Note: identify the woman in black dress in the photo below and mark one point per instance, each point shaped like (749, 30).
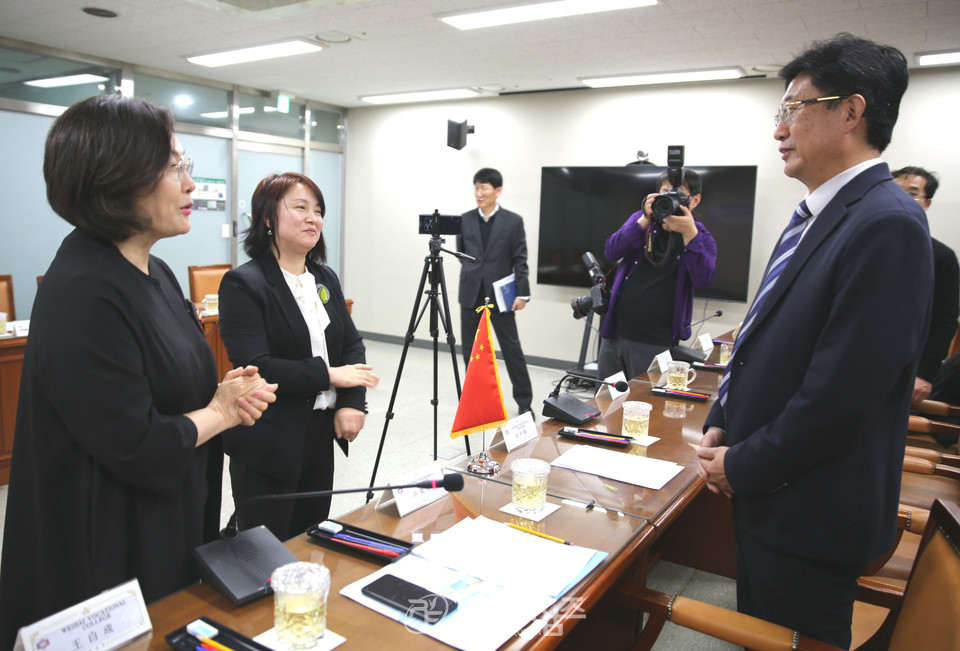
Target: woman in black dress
(284, 311)
(116, 468)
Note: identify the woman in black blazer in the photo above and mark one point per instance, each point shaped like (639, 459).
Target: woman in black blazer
(284, 309)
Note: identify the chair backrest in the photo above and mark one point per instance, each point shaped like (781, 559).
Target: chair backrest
(930, 615)
(955, 344)
(6, 297)
(205, 279)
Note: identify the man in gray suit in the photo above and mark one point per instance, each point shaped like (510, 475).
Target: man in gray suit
(495, 237)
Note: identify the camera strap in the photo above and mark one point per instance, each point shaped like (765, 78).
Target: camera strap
(661, 250)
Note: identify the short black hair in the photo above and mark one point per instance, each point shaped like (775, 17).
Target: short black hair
(101, 156)
(690, 179)
(932, 182)
(261, 237)
(848, 65)
(488, 175)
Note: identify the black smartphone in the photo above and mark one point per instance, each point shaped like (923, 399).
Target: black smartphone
(409, 598)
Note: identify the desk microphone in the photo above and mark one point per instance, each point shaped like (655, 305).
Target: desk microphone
(240, 562)
(687, 354)
(619, 385)
(570, 409)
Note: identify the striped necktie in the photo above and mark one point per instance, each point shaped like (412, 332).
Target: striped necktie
(788, 244)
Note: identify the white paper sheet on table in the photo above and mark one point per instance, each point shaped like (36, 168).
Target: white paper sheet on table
(501, 579)
(628, 468)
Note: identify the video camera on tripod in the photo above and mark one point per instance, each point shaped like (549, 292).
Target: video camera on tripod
(598, 298)
(437, 224)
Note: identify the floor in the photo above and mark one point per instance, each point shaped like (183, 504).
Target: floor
(408, 442)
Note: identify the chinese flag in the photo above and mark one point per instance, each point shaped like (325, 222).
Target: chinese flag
(481, 401)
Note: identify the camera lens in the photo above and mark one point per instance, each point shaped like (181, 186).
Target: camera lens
(664, 206)
(581, 306)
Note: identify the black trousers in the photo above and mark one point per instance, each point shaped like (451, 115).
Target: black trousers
(289, 518)
(505, 326)
(814, 598)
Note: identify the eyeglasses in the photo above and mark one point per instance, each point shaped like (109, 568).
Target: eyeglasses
(184, 165)
(787, 108)
(916, 195)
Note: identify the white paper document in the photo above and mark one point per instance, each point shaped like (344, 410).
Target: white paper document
(628, 468)
(500, 578)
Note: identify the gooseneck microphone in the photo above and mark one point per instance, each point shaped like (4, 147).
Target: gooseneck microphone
(687, 354)
(568, 408)
(619, 385)
(240, 562)
(452, 483)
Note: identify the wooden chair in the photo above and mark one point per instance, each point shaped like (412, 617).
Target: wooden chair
(6, 297)
(920, 429)
(925, 615)
(205, 279)
(955, 344)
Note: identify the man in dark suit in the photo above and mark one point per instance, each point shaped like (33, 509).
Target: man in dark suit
(921, 185)
(495, 237)
(808, 431)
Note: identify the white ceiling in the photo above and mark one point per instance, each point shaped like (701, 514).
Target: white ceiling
(400, 45)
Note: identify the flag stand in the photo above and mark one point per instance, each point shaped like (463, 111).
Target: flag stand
(432, 268)
(483, 465)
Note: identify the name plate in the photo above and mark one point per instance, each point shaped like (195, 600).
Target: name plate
(706, 342)
(617, 398)
(107, 621)
(519, 431)
(408, 500)
(661, 361)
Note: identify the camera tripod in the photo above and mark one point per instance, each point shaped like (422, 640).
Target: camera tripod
(432, 269)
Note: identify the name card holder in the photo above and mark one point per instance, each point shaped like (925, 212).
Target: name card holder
(407, 500)
(104, 622)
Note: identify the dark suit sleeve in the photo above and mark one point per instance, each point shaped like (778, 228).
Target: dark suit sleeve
(873, 307)
(518, 242)
(256, 332)
(946, 305)
(344, 344)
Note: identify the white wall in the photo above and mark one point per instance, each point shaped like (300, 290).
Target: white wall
(398, 166)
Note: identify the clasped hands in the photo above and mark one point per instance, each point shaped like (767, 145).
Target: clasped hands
(711, 453)
(243, 396)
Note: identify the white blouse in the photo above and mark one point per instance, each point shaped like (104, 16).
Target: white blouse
(304, 289)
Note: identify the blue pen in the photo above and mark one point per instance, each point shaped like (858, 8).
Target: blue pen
(371, 542)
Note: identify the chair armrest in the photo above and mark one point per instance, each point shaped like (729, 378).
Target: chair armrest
(936, 408)
(718, 622)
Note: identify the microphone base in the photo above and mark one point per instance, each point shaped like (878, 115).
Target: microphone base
(569, 409)
(239, 567)
(686, 354)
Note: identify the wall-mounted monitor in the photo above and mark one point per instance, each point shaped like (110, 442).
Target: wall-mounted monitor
(581, 206)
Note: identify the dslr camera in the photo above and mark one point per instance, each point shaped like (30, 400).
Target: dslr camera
(668, 203)
(437, 224)
(596, 300)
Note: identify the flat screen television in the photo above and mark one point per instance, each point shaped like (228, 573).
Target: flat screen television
(581, 206)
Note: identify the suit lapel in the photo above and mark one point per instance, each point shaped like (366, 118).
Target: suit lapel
(497, 229)
(287, 303)
(830, 218)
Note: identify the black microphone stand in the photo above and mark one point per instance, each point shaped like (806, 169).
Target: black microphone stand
(432, 269)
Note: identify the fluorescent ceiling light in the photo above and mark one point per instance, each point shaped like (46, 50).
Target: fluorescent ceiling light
(425, 96)
(539, 11)
(939, 59)
(257, 53)
(219, 115)
(663, 78)
(71, 80)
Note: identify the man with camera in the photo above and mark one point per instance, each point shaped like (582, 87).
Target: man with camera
(664, 254)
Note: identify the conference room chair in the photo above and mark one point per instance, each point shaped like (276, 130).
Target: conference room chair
(936, 408)
(920, 431)
(205, 279)
(924, 615)
(6, 297)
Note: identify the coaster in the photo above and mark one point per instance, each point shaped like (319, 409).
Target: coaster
(547, 510)
(330, 640)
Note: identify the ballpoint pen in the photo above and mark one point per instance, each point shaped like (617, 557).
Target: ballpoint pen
(542, 535)
(207, 643)
(369, 548)
(368, 540)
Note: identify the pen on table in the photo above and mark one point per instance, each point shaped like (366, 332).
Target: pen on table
(542, 535)
(369, 548)
(603, 437)
(370, 541)
(207, 643)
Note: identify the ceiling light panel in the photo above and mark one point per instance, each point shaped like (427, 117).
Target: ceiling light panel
(69, 80)
(425, 96)
(257, 53)
(664, 78)
(938, 59)
(539, 11)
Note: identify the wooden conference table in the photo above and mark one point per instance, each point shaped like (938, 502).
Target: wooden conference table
(636, 527)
